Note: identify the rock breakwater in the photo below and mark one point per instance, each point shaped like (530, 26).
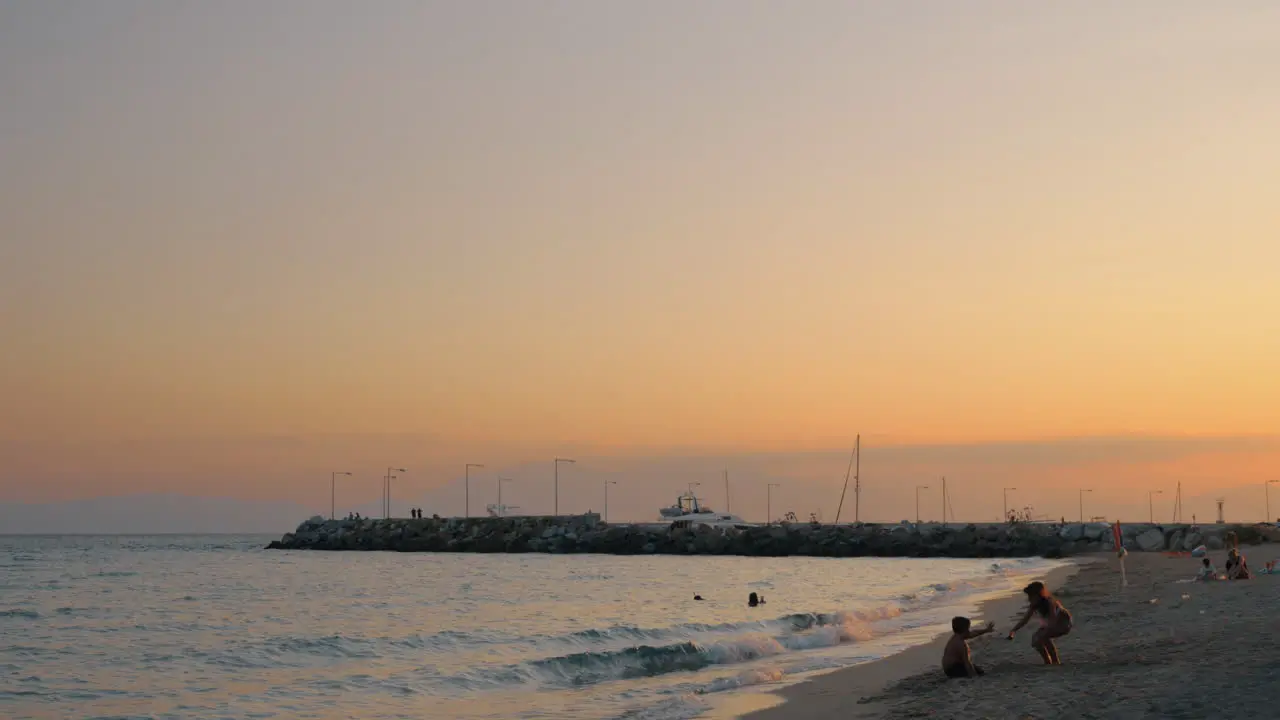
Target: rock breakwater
(587, 534)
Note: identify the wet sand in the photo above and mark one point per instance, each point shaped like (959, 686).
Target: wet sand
(1210, 655)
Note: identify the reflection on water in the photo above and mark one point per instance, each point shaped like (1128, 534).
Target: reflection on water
(205, 627)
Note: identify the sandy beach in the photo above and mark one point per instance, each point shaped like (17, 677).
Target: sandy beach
(1200, 650)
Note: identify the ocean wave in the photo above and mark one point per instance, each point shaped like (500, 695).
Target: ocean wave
(797, 632)
(996, 574)
(291, 651)
(629, 650)
(786, 623)
(747, 678)
(25, 614)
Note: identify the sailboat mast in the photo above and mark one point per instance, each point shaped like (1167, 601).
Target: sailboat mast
(852, 458)
(857, 480)
(944, 499)
(726, 491)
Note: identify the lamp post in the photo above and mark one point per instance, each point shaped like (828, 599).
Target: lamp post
(768, 502)
(918, 489)
(607, 483)
(333, 493)
(557, 489)
(501, 508)
(386, 490)
(1082, 492)
(1005, 517)
(1266, 488)
(1151, 507)
(467, 482)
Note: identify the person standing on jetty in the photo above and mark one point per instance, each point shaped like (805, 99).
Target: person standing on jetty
(1055, 621)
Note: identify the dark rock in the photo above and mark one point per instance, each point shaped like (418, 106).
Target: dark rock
(579, 534)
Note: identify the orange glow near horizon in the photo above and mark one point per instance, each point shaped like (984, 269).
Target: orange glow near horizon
(970, 225)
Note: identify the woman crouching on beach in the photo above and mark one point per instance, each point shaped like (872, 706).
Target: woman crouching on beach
(1055, 621)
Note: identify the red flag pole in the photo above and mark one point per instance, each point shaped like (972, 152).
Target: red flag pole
(1120, 552)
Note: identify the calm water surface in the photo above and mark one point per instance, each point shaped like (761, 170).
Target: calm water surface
(215, 627)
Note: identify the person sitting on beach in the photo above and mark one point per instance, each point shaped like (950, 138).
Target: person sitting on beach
(1237, 568)
(1208, 572)
(957, 660)
(1055, 621)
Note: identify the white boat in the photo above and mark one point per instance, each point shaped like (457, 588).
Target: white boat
(689, 512)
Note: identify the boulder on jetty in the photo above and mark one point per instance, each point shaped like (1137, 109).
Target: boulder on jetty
(587, 534)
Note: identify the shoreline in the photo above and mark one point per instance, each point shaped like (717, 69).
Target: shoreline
(842, 692)
(1163, 647)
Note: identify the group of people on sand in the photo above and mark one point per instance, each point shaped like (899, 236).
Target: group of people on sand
(1055, 622)
(1236, 568)
(1055, 619)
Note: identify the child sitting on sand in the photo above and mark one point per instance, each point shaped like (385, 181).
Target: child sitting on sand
(1055, 621)
(957, 661)
(1208, 572)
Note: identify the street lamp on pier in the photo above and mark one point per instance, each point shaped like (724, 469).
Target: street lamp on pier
(502, 508)
(386, 490)
(557, 487)
(467, 482)
(607, 483)
(333, 493)
(1151, 506)
(768, 502)
(1005, 517)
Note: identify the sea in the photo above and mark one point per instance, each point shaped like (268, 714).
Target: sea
(216, 627)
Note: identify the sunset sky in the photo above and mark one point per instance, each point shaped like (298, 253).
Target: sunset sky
(243, 244)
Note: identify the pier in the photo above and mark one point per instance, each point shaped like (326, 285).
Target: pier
(566, 534)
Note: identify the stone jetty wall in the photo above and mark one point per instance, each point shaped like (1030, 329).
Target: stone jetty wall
(587, 534)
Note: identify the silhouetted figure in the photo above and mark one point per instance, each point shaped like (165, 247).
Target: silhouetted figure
(697, 597)
(753, 600)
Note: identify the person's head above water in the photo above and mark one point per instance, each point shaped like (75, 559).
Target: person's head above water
(960, 625)
(753, 599)
(697, 597)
